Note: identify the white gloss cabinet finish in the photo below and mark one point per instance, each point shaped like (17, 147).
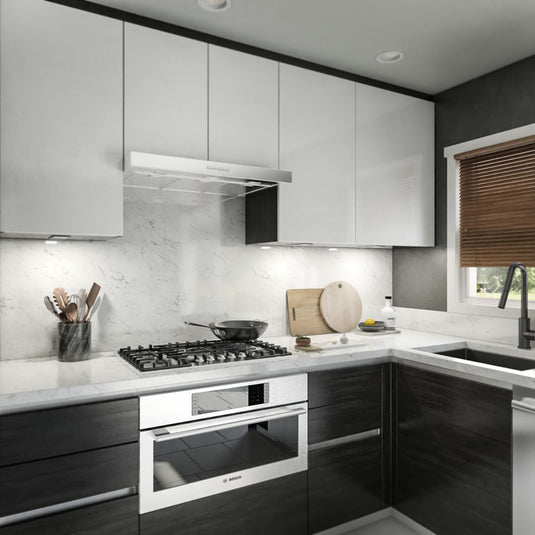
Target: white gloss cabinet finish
(165, 93)
(243, 104)
(394, 169)
(61, 128)
(317, 143)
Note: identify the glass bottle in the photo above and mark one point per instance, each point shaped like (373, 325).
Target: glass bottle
(388, 314)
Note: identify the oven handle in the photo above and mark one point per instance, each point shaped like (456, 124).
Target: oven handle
(198, 428)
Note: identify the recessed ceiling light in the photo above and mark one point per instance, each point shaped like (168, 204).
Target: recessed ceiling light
(333, 248)
(392, 56)
(265, 247)
(214, 5)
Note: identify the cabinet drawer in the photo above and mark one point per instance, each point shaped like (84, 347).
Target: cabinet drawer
(110, 518)
(345, 482)
(360, 384)
(277, 507)
(28, 486)
(48, 433)
(334, 421)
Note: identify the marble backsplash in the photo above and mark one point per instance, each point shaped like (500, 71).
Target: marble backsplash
(485, 328)
(182, 257)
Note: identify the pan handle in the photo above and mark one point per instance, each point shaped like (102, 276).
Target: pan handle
(196, 324)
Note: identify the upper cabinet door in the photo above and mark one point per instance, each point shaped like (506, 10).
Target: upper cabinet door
(244, 100)
(61, 129)
(165, 93)
(395, 178)
(317, 143)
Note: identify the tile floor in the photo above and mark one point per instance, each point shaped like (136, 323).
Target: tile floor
(385, 526)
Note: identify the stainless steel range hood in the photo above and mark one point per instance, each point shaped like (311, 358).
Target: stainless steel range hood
(171, 173)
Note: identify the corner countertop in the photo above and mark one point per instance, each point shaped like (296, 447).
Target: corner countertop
(38, 383)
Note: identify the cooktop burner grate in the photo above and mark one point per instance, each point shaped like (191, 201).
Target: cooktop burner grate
(199, 353)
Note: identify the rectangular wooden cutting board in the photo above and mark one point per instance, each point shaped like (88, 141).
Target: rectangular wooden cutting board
(304, 315)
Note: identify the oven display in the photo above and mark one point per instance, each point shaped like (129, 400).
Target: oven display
(229, 398)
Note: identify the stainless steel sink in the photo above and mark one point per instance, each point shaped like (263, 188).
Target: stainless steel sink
(494, 359)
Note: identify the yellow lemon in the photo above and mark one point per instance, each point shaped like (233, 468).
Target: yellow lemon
(369, 321)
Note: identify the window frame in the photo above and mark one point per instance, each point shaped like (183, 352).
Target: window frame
(457, 277)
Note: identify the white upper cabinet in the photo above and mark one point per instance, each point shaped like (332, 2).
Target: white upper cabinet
(166, 93)
(61, 128)
(243, 104)
(395, 177)
(317, 143)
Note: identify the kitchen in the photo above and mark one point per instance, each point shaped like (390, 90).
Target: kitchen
(182, 257)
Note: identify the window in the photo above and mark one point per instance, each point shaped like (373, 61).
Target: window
(491, 218)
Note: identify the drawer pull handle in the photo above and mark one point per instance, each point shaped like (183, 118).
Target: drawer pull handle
(357, 437)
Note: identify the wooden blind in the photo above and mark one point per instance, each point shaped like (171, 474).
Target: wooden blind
(497, 205)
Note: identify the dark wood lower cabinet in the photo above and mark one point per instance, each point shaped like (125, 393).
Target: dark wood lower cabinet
(448, 505)
(116, 517)
(336, 421)
(345, 482)
(29, 436)
(360, 384)
(273, 507)
(347, 478)
(54, 456)
(46, 482)
(453, 453)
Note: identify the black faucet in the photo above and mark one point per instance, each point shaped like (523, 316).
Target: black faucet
(525, 334)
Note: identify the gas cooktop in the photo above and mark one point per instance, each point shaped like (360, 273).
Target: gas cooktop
(199, 353)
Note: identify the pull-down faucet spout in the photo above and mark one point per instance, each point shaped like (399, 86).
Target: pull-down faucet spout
(525, 334)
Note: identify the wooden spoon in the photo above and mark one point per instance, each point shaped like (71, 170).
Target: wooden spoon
(91, 297)
(72, 312)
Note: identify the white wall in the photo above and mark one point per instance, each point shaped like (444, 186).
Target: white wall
(182, 258)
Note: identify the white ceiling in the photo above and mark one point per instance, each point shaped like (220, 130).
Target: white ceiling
(445, 42)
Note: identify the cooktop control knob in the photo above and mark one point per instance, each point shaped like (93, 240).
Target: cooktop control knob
(210, 358)
(241, 355)
(221, 357)
(231, 356)
(199, 359)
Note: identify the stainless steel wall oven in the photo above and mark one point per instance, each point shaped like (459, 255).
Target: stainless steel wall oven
(196, 443)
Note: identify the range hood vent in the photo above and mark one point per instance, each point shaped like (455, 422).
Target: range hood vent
(171, 173)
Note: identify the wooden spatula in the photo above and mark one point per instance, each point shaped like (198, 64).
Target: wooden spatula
(91, 297)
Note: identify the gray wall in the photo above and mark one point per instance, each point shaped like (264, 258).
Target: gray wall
(498, 101)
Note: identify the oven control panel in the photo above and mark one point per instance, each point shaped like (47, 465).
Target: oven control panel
(258, 394)
(177, 407)
(225, 399)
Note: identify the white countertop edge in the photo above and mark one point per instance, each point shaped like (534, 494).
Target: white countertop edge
(33, 384)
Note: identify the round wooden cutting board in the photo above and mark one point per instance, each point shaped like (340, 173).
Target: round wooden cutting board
(341, 306)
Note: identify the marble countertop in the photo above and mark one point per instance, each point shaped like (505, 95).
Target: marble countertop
(29, 384)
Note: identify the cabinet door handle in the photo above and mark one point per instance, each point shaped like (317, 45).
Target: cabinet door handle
(357, 437)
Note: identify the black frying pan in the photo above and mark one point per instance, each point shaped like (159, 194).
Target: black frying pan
(235, 330)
